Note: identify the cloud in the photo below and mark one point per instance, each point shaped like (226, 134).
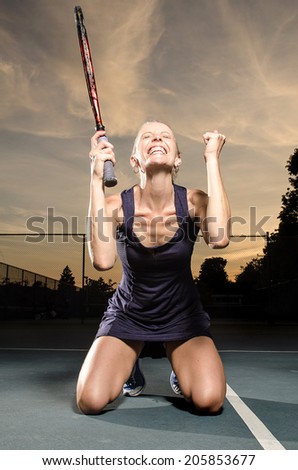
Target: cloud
(123, 55)
(45, 76)
(198, 65)
(228, 64)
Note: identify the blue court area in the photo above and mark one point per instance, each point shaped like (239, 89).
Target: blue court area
(40, 361)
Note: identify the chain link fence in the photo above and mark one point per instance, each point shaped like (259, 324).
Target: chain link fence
(31, 267)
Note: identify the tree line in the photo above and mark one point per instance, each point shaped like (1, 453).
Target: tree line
(272, 278)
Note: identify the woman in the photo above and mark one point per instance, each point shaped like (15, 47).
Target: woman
(155, 225)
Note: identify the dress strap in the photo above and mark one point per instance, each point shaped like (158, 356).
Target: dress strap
(184, 220)
(128, 207)
(181, 202)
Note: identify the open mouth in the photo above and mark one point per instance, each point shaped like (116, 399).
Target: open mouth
(157, 149)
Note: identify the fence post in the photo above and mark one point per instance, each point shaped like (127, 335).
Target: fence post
(270, 312)
(83, 307)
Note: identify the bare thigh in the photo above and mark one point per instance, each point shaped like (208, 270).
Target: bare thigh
(106, 368)
(200, 372)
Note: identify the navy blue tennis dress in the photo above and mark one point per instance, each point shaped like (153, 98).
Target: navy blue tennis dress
(156, 299)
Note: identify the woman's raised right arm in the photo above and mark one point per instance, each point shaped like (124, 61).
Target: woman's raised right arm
(103, 214)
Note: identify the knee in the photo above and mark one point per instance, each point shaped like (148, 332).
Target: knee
(89, 408)
(209, 405)
(91, 403)
(206, 402)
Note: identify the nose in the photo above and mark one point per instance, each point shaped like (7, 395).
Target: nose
(156, 137)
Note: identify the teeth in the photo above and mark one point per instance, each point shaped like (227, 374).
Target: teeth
(157, 150)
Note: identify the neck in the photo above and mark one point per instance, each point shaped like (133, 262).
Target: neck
(157, 192)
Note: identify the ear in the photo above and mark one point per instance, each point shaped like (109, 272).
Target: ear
(135, 165)
(178, 161)
(133, 161)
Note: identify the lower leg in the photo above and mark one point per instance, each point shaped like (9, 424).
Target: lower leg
(200, 373)
(107, 366)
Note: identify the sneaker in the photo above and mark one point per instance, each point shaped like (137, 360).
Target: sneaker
(175, 384)
(136, 382)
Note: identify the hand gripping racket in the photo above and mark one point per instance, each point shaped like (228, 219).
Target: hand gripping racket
(110, 179)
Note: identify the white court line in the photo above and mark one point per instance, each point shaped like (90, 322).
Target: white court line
(273, 351)
(255, 425)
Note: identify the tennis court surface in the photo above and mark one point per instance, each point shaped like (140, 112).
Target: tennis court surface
(40, 361)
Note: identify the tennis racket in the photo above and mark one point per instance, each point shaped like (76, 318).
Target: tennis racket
(110, 179)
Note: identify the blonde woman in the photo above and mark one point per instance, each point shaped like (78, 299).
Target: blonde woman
(153, 227)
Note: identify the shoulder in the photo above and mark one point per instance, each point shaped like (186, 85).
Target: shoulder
(114, 200)
(197, 202)
(196, 197)
(114, 203)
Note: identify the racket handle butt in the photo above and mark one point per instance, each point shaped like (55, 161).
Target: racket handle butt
(109, 177)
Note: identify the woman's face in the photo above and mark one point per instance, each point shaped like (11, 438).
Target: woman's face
(157, 146)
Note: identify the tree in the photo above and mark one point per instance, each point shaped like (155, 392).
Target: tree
(67, 281)
(212, 272)
(281, 252)
(97, 294)
(280, 260)
(252, 275)
(99, 291)
(274, 276)
(288, 215)
(212, 278)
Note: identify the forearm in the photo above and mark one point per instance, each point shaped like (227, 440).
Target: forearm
(218, 208)
(101, 228)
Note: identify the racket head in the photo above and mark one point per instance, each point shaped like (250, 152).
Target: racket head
(88, 67)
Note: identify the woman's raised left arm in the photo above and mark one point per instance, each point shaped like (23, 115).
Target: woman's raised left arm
(213, 210)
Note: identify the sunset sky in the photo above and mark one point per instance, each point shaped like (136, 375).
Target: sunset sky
(198, 65)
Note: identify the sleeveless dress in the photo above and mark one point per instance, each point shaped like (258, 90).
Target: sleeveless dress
(156, 299)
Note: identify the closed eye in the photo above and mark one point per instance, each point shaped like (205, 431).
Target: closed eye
(146, 136)
(166, 135)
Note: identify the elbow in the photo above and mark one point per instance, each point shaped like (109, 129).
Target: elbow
(219, 241)
(103, 265)
(102, 260)
(218, 245)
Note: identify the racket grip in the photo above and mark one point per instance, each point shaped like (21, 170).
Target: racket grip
(109, 177)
